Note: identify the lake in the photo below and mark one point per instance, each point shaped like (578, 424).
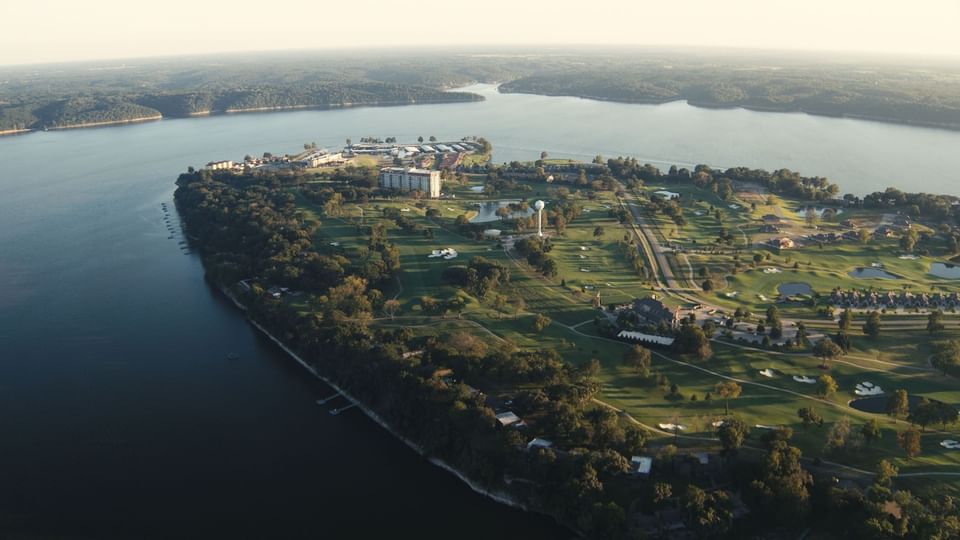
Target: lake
(945, 270)
(122, 416)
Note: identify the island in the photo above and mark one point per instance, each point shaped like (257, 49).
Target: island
(635, 352)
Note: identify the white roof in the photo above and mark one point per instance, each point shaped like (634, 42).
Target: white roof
(539, 443)
(640, 336)
(641, 464)
(507, 418)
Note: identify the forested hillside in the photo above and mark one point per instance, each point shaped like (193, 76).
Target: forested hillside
(903, 95)
(903, 91)
(39, 114)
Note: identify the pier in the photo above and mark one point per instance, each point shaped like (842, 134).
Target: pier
(335, 412)
(327, 399)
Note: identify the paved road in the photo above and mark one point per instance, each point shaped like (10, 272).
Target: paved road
(650, 246)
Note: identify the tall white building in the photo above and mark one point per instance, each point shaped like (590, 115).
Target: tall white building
(400, 179)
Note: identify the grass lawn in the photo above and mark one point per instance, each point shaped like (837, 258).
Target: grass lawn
(590, 263)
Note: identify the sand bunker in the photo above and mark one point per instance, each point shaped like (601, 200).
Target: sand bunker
(867, 389)
(446, 253)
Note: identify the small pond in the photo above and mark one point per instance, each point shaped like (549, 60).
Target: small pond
(487, 211)
(878, 404)
(794, 288)
(945, 270)
(871, 273)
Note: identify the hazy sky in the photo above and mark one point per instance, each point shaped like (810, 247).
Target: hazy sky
(65, 30)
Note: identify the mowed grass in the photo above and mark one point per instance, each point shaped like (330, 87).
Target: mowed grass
(765, 401)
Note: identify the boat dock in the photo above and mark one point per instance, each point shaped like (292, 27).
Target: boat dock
(335, 412)
(328, 399)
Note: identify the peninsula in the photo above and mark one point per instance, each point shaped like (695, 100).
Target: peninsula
(635, 352)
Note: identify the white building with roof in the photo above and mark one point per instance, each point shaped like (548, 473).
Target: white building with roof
(539, 443)
(402, 179)
(508, 418)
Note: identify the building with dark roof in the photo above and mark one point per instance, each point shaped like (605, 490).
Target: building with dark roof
(654, 312)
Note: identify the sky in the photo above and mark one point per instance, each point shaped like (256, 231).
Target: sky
(41, 31)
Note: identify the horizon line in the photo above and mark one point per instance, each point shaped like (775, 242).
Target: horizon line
(838, 55)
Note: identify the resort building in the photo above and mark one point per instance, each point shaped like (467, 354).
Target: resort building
(401, 179)
(319, 158)
(219, 165)
(654, 312)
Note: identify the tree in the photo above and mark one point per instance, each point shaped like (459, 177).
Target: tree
(909, 441)
(518, 304)
(886, 472)
(802, 340)
(709, 515)
(559, 223)
(540, 322)
(728, 390)
(543, 155)
(782, 490)
(691, 340)
(946, 356)
(662, 492)
(808, 417)
(837, 435)
(935, 322)
(846, 321)
(826, 385)
(500, 304)
(927, 412)
(638, 357)
(898, 404)
(864, 236)
(871, 431)
(598, 232)
(391, 307)
(732, 433)
(826, 349)
(872, 326)
(909, 239)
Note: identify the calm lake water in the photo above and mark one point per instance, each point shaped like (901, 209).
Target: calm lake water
(487, 211)
(120, 415)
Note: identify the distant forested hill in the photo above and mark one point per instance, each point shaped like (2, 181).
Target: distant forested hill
(904, 95)
(47, 99)
(904, 91)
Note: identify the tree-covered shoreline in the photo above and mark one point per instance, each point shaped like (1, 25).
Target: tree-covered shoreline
(107, 109)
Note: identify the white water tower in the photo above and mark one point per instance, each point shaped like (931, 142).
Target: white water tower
(539, 207)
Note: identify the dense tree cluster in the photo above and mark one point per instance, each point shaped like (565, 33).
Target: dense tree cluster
(537, 250)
